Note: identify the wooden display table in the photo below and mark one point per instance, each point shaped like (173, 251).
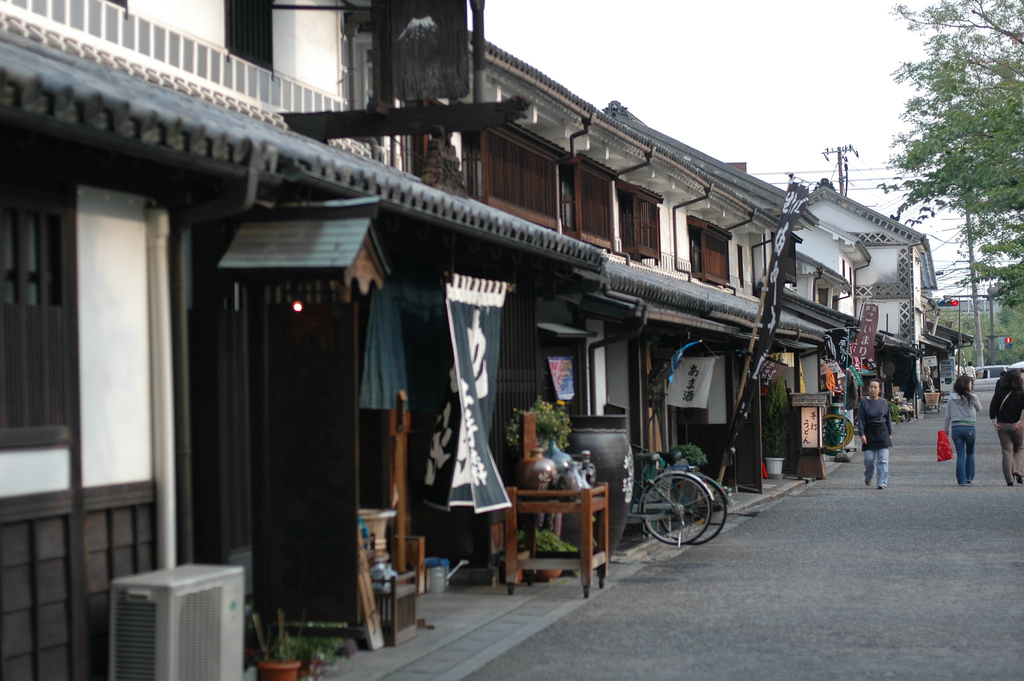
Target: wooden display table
(588, 503)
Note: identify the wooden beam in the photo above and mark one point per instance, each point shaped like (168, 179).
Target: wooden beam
(399, 423)
(417, 120)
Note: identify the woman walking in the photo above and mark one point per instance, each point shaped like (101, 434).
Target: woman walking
(1007, 413)
(962, 409)
(874, 425)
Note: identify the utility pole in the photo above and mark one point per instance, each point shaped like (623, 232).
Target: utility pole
(842, 165)
(979, 346)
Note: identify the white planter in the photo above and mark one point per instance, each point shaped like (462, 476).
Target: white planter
(774, 467)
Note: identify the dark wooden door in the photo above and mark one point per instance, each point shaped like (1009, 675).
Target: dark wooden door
(306, 501)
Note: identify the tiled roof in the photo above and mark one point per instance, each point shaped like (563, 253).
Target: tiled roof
(44, 83)
(689, 297)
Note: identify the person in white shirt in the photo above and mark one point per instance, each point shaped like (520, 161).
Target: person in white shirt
(970, 371)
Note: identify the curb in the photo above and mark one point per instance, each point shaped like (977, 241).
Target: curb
(782, 488)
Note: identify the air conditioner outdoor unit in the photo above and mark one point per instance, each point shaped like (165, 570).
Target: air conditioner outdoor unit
(182, 624)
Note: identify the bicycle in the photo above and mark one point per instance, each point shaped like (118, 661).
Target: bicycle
(720, 509)
(674, 505)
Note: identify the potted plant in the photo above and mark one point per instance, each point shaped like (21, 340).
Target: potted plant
(317, 655)
(693, 454)
(547, 542)
(553, 425)
(280, 659)
(775, 428)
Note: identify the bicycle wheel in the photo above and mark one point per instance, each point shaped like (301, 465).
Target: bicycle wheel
(676, 507)
(719, 511)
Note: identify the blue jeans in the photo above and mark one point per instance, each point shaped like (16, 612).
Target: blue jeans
(963, 440)
(881, 456)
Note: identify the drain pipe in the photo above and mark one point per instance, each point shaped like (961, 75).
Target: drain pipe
(479, 47)
(586, 121)
(648, 157)
(626, 335)
(238, 198)
(675, 231)
(158, 228)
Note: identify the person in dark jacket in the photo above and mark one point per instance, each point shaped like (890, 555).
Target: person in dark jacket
(1007, 414)
(874, 425)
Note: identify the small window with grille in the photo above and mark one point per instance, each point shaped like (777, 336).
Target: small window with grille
(709, 254)
(639, 221)
(33, 327)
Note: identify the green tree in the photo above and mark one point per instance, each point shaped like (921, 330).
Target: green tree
(963, 149)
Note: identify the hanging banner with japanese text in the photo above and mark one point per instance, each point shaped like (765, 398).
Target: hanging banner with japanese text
(837, 344)
(863, 348)
(796, 198)
(460, 467)
(770, 372)
(692, 383)
(771, 311)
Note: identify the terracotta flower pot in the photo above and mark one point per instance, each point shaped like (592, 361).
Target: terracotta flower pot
(272, 670)
(546, 575)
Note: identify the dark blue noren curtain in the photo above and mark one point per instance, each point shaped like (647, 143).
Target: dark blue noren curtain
(407, 344)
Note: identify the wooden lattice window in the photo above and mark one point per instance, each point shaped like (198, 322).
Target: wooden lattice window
(33, 325)
(586, 202)
(639, 221)
(250, 30)
(709, 251)
(519, 176)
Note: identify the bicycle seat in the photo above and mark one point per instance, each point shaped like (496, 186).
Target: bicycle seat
(646, 458)
(673, 458)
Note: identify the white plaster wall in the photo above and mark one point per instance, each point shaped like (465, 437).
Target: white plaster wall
(820, 245)
(884, 267)
(307, 45)
(717, 408)
(34, 471)
(202, 18)
(600, 375)
(113, 337)
(810, 370)
(888, 315)
(617, 363)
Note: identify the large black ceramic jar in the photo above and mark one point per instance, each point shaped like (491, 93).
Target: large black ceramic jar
(608, 442)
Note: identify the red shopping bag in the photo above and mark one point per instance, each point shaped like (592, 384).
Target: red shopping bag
(944, 449)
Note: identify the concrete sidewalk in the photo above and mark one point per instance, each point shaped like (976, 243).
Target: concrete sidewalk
(470, 625)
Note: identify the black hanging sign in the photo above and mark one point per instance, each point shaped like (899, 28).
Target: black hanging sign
(460, 467)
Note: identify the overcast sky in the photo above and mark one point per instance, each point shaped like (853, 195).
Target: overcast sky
(774, 84)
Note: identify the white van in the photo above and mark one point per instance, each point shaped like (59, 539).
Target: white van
(988, 375)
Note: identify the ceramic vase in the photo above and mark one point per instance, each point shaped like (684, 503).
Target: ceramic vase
(606, 439)
(536, 472)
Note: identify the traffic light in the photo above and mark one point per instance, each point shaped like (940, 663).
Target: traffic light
(1009, 342)
(949, 301)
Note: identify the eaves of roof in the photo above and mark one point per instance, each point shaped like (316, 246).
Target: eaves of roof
(835, 317)
(498, 57)
(952, 335)
(826, 272)
(874, 217)
(56, 87)
(704, 301)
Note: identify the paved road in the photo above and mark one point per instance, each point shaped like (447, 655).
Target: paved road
(920, 581)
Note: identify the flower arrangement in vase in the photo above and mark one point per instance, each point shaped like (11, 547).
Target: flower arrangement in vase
(553, 424)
